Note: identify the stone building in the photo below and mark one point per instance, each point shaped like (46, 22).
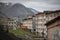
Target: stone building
(53, 29)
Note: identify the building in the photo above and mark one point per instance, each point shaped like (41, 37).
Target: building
(28, 22)
(53, 29)
(4, 24)
(41, 18)
(38, 23)
(12, 23)
(51, 14)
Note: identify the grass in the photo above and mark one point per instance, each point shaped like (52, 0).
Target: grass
(20, 32)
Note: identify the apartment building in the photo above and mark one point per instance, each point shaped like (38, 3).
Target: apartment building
(28, 22)
(41, 18)
(38, 23)
(12, 23)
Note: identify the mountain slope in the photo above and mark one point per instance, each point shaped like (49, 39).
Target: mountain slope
(17, 10)
(33, 10)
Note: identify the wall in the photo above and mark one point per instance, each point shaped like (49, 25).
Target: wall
(54, 31)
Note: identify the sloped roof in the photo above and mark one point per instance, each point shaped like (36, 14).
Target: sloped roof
(52, 21)
(51, 11)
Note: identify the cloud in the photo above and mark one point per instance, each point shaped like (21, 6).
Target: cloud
(53, 2)
(39, 5)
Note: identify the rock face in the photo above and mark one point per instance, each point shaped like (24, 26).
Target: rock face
(15, 10)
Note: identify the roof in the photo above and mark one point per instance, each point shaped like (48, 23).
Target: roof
(27, 18)
(39, 13)
(46, 12)
(51, 11)
(52, 21)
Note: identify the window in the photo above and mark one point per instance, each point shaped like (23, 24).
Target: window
(34, 29)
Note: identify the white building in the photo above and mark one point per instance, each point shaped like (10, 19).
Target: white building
(28, 22)
(12, 23)
(38, 24)
(41, 18)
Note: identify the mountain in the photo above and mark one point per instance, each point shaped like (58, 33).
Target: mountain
(16, 10)
(2, 15)
(4, 6)
(33, 10)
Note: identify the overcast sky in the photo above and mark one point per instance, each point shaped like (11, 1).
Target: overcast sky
(39, 5)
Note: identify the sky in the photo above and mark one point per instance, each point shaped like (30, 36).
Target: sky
(39, 5)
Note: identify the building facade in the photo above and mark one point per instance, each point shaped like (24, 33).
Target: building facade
(4, 24)
(51, 14)
(12, 23)
(53, 26)
(28, 22)
(38, 24)
(41, 18)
